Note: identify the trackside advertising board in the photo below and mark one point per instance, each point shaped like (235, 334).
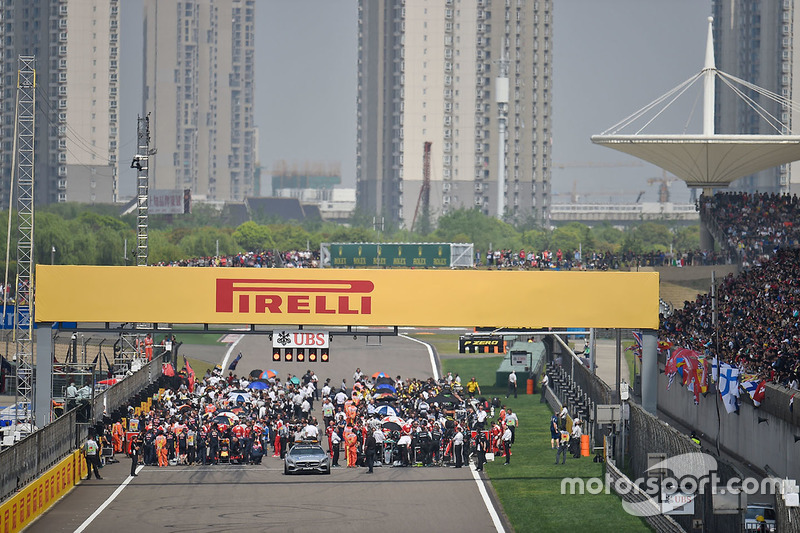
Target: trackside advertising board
(390, 255)
(347, 297)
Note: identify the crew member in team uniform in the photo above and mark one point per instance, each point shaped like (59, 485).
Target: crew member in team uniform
(136, 448)
(351, 443)
(161, 449)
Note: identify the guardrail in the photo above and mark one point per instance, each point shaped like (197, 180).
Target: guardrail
(29, 458)
(26, 460)
(120, 393)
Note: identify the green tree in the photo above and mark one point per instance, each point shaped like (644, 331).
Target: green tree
(97, 221)
(203, 243)
(252, 237)
(363, 218)
(606, 238)
(51, 230)
(348, 234)
(470, 225)
(160, 249)
(290, 237)
(687, 238)
(571, 237)
(647, 237)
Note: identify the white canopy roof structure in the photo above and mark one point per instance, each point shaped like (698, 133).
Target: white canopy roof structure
(708, 160)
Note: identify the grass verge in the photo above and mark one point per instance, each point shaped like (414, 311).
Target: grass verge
(629, 357)
(203, 339)
(444, 343)
(198, 365)
(529, 488)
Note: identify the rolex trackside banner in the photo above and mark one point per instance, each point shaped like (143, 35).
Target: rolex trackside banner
(346, 297)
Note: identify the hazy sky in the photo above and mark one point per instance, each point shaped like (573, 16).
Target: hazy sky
(610, 58)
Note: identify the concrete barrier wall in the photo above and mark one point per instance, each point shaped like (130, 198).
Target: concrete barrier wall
(673, 274)
(768, 443)
(19, 511)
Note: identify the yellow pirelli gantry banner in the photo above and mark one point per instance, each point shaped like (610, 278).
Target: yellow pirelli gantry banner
(346, 297)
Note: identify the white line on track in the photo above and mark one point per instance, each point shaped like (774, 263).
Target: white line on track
(430, 354)
(106, 503)
(498, 524)
(229, 352)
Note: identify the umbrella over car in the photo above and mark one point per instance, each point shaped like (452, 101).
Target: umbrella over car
(392, 423)
(386, 410)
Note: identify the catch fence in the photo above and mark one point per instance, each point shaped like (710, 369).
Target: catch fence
(649, 435)
(30, 457)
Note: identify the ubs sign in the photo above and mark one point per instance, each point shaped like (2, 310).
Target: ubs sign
(300, 339)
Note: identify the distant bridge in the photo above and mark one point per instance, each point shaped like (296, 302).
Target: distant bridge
(645, 211)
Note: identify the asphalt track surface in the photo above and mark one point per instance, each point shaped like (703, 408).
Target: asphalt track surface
(261, 498)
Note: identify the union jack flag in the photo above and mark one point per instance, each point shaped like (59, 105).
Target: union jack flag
(636, 347)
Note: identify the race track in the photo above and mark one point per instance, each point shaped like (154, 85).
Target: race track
(262, 498)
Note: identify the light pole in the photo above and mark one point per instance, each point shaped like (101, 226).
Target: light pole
(52, 255)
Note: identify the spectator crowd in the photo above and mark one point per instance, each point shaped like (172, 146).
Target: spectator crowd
(758, 311)
(267, 259)
(547, 259)
(753, 226)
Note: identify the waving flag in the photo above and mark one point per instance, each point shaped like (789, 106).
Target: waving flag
(701, 370)
(189, 374)
(636, 347)
(756, 388)
(729, 387)
(692, 368)
(109, 366)
(235, 362)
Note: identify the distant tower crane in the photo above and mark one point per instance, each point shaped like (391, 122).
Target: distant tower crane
(663, 189)
(424, 198)
(575, 195)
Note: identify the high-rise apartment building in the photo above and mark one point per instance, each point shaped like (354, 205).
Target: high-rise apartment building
(426, 74)
(754, 41)
(76, 45)
(199, 69)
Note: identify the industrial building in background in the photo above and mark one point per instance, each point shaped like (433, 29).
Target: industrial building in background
(199, 68)
(426, 74)
(76, 45)
(755, 41)
(315, 184)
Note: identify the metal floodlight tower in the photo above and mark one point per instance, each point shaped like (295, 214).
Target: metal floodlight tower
(141, 164)
(501, 97)
(23, 325)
